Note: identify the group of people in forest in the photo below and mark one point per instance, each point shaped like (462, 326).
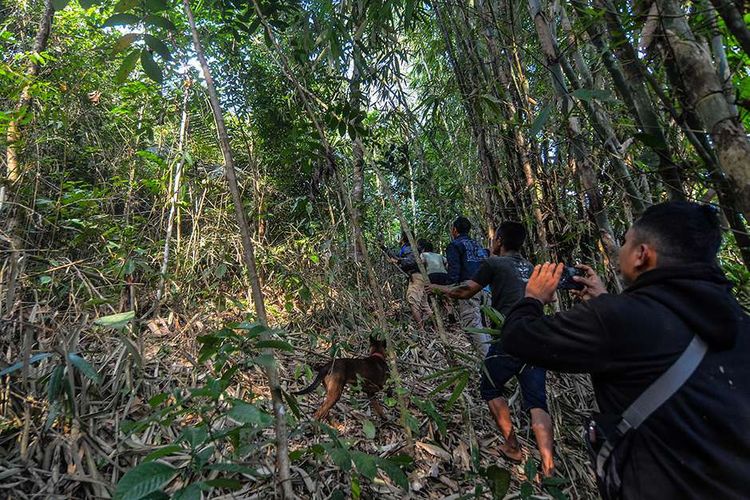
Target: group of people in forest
(667, 356)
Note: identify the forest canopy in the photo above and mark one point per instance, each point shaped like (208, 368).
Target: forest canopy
(196, 196)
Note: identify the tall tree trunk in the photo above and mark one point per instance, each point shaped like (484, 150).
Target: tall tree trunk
(174, 197)
(358, 152)
(469, 89)
(735, 22)
(13, 134)
(638, 78)
(581, 155)
(720, 56)
(599, 118)
(636, 85)
(282, 444)
(512, 80)
(705, 93)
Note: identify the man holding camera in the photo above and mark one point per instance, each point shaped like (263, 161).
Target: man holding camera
(507, 273)
(668, 359)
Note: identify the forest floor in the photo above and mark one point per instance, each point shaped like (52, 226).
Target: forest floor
(85, 456)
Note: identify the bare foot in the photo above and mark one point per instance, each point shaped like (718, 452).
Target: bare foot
(548, 470)
(511, 452)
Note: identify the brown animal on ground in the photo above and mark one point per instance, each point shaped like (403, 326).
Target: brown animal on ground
(372, 370)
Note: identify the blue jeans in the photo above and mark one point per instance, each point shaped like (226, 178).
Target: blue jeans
(500, 367)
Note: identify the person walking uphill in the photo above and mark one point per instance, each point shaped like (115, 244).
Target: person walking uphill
(464, 257)
(668, 359)
(416, 294)
(507, 272)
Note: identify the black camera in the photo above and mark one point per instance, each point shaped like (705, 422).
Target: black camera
(566, 280)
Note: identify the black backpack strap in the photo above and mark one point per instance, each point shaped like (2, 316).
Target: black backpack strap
(656, 395)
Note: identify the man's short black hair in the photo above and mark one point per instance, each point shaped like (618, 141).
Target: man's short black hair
(513, 235)
(682, 231)
(462, 225)
(425, 246)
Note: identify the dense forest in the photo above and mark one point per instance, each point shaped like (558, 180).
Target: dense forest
(196, 196)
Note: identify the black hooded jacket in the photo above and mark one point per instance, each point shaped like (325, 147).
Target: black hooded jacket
(696, 445)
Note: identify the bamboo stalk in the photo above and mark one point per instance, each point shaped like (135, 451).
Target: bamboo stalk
(248, 254)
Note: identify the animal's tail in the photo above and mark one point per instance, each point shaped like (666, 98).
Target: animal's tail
(315, 383)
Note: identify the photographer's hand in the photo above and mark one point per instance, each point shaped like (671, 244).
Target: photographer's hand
(593, 285)
(543, 282)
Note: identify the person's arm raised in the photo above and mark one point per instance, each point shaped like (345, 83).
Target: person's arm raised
(572, 341)
(543, 282)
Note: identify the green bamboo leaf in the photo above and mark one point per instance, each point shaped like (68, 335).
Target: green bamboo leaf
(84, 367)
(118, 320)
(274, 344)
(192, 492)
(158, 46)
(162, 452)
(442, 373)
(124, 42)
(156, 5)
(447, 383)
(143, 480)
(33, 359)
(369, 429)
(540, 120)
(250, 414)
(159, 22)
(495, 316)
(54, 386)
(431, 411)
(457, 390)
(393, 471)
(124, 5)
(365, 464)
(120, 20)
(54, 411)
(150, 67)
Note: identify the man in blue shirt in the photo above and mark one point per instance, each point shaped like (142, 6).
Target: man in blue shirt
(464, 258)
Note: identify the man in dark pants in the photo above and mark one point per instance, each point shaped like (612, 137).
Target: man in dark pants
(507, 273)
(697, 443)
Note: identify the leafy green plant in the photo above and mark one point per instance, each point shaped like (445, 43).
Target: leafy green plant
(60, 389)
(225, 432)
(359, 464)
